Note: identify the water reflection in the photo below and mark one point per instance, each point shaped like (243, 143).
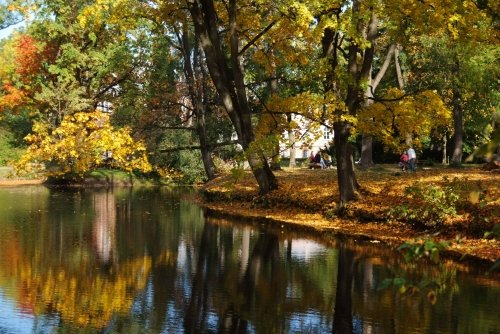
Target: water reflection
(103, 226)
(147, 260)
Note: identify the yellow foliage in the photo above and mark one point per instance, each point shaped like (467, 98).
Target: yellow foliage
(398, 118)
(83, 141)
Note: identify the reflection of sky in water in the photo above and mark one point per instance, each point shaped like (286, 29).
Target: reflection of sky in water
(12, 320)
(304, 250)
(309, 322)
(175, 318)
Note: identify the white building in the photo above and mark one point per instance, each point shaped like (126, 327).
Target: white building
(305, 140)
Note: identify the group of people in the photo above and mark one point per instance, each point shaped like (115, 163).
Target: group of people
(408, 159)
(319, 161)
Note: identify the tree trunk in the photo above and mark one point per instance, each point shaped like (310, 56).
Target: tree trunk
(445, 142)
(228, 78)
(206, 151)
(399, 73)
(291, 139)
(345, 171)
(273, 88)
(458, 138)
(262, 172)
(197, 96)
(358, 72)
(366, 160)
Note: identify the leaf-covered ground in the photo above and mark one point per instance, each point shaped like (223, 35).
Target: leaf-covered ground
(306, 199)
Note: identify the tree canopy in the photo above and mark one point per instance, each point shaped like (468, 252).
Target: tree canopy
(202, 74)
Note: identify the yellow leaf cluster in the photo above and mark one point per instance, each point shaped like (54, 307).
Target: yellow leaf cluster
(83, 141)
(398, 118)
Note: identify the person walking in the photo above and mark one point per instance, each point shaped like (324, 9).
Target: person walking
(412, 156)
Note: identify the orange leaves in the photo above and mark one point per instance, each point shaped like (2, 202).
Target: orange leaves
(12, 97)
(28, 57)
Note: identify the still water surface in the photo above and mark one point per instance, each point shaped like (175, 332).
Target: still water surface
(149, 261)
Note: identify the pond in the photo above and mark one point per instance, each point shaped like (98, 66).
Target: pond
(148, 260)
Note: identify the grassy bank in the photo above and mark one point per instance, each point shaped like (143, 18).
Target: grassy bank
(307, 199)
(96, 178)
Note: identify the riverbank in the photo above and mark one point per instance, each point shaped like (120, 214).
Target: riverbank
(98, 178)
(306, 200)
(9, 179)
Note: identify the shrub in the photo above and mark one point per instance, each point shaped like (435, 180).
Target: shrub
(430, 205)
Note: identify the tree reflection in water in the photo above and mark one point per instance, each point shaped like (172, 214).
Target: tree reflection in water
(103, 226)
(342, 320)
(146, 260)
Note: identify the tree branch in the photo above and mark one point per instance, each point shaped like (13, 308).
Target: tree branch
(384, 67)
(259, 35)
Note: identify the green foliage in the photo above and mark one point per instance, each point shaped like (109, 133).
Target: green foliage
(8, 151)
(494, 233)
(191, 168)
(430, 206)
(425, 248)
(18, 125)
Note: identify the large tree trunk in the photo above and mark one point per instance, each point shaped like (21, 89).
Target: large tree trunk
(345, 171)
(366, 159)
(228, 78)
(358, 71)
(205, 148)
(458, 138)
(273, 88)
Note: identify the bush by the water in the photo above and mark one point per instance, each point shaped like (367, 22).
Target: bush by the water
(431, 205)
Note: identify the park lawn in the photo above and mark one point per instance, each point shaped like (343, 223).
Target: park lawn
(306, 199)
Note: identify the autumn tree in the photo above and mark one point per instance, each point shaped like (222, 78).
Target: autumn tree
(82, 142)
(72, 60)
(351, 31)
(463, 72)
(397, 117)
(224, 56)
(451, 55)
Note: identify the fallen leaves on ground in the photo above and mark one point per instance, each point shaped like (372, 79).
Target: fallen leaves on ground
(307, 198)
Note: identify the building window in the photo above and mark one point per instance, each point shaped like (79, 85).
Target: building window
(104, 107)
(326, 134)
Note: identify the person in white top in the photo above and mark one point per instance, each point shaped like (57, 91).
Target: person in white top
(412, 158)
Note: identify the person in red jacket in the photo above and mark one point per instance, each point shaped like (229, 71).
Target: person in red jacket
(403, 161)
